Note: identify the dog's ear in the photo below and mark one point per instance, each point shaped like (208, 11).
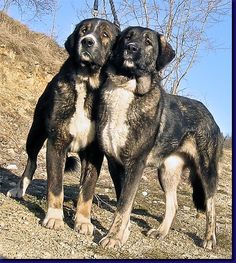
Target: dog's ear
(166, 53)
(69, 44)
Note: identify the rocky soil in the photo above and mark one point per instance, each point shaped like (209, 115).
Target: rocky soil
(23, 77)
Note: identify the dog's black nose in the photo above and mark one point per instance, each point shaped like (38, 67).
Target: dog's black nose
(132, 47)
(88, 42)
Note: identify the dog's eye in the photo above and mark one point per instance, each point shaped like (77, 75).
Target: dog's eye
(148, 42)
(105, 34)
(83, 30)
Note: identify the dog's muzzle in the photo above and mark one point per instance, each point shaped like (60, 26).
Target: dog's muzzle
(130, 52)
(87, 48)
(132, 48)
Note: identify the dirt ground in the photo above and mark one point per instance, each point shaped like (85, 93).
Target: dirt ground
(22, 236)
(22, 79)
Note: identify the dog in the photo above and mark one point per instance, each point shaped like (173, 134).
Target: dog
(139, 124)
(65, 115)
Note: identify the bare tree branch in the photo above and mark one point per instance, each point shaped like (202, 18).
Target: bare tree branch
(35, 7)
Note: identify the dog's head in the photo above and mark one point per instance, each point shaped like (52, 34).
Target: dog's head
(92, 41)
(141, 50)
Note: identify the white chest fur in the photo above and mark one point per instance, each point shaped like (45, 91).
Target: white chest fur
(81, 127)
(114, 135)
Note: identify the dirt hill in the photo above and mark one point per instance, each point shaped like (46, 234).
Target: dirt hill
(28, 60)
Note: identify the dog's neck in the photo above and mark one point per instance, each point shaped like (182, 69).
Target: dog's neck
(93, 80)
(90, 74)
(136, 84)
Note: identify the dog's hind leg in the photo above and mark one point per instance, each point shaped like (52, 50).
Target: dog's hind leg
(209, 182)
(169, 177)
(91, 162)
(36, 137)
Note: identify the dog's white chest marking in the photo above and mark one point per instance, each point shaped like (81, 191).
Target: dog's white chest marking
(118, 100)
(81, 127)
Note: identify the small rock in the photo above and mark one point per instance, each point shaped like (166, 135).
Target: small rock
(144, 193)
(11, 152)
(12, 167)
(186, 208)
(199, 215)
(62, 244)
(22, 142)
(144, 178)
(46, 255)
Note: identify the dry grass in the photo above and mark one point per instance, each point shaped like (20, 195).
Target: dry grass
(29, 45)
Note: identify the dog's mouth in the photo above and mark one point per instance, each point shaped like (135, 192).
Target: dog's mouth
(128, 63)
(86, 56)
(128, 60)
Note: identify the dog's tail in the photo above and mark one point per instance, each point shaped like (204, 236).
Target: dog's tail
(199, 196)
(72, 164)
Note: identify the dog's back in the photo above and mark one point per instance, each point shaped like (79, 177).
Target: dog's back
(184, 118)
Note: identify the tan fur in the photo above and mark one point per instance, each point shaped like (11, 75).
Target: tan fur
(119, 232)
(189, 147)
(210, 237)
(55, 201)
(83, 207)
(94, 81)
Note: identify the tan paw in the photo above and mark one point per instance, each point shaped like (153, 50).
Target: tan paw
(54, 219)
(155, 233)
(53, 223)
(84, 228)
(109, 242)
(209, 244)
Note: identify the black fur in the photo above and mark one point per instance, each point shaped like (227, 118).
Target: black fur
(171, 133)
(68, 100)
(72, 164)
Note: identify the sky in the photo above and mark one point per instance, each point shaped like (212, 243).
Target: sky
(209, 80)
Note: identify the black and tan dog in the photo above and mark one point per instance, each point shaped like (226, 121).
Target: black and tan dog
(65, 115)
(140, 124)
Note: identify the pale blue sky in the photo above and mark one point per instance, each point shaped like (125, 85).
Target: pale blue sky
(209, 80)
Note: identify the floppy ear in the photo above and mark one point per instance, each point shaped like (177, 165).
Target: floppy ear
(69, 44)
(166, 53)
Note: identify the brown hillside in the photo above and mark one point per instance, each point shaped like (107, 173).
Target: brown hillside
(28, 60)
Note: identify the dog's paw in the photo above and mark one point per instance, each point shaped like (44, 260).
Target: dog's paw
(109, 242)
(155, 233)
(209, 244)
(115, 241)
(83, 224)
(54, 219)
(53, 223)
(84, 228)
(16, 192)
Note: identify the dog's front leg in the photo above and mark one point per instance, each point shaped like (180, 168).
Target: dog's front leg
(55, 158)
(91, 161)
(120, 229)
